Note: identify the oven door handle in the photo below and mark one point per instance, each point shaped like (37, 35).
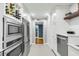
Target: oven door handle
(62, 38)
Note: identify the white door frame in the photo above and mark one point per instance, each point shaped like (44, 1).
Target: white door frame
(38, 34)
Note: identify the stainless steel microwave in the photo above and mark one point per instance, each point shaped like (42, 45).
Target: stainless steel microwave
(11, 27)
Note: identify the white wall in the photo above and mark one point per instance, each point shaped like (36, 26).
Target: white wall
(74, 7)
(52, 42)
(57, 25)
(45, 31)
(74, 22)
(61, 24)
(74, 25)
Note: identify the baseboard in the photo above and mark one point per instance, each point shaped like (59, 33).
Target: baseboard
(55, 53)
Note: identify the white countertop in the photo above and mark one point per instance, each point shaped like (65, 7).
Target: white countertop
(76, 35)
(70, 35)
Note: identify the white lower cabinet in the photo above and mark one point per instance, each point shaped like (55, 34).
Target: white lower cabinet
(73, 40)
(72, 51)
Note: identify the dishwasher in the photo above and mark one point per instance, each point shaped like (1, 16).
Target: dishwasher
(62, 46)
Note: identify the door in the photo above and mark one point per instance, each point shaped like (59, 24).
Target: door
(39, 34)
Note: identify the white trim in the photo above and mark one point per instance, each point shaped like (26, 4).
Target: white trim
(38, 33)
(56, 53)
(21, 54)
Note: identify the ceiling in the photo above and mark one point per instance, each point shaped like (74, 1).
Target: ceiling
(42, 8)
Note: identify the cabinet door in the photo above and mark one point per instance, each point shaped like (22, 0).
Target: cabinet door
(72, 51)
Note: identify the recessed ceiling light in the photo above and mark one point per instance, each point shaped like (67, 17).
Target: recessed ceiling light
(32, 14)
(54, 14)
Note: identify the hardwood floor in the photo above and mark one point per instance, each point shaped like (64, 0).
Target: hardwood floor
(39, 40)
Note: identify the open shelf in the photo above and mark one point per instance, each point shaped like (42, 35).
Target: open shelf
(75, 14)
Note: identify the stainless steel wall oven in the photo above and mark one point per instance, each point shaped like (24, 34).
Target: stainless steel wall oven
(12, 32)
(14, 51)
(13, 42)
(12, 37)
(13, 28)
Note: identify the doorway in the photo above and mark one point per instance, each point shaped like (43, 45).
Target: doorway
(39, 33)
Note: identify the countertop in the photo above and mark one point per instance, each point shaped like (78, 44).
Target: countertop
(70, 35)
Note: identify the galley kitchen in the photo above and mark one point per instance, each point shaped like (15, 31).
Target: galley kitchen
(39, 29)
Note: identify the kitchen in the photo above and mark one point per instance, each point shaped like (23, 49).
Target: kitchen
(60, 22)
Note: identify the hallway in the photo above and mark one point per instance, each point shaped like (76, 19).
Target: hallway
(40, 50)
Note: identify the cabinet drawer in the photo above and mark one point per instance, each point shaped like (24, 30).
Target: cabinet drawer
(72, 51)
